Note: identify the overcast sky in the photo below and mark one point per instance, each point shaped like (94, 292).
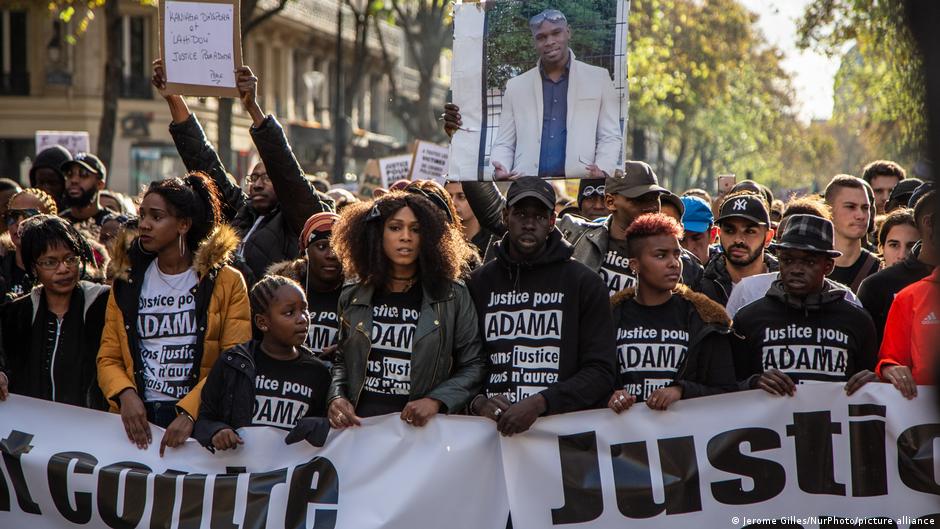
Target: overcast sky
(812, 72)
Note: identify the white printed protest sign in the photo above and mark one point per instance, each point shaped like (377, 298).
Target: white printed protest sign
(200, 43)
(430, 162)
(74, 141)
(394, 168)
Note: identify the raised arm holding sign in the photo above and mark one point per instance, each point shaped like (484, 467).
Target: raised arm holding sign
(200, 43)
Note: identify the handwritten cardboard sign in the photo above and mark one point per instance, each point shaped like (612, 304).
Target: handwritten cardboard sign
(430, 162)
(74, 141)
(394, 168)
(200, 43)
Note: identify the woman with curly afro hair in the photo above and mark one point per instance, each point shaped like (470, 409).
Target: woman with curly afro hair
(408, 341)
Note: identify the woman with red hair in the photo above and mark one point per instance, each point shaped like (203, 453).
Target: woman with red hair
(672, 343)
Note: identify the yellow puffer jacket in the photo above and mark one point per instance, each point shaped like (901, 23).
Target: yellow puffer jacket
(226, 323)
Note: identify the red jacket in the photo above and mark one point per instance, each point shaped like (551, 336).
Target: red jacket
(912, 329)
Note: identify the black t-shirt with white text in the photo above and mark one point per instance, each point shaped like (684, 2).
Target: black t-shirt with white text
(324, 323)
(522, 331)
(288, 390)
(652, 343)
(615, 270)
(388, 372)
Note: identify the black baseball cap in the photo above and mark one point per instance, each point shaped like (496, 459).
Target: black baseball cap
(88, 161)
(531, 186)
(746, 206)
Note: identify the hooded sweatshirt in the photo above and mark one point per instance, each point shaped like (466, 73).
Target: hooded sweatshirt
(546, 328)
(683, 342)
(823, 337)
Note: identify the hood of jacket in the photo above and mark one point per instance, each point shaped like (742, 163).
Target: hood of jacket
(296, 270)
(709, 311)
(556, 250)
(214, 252)
(830, 293)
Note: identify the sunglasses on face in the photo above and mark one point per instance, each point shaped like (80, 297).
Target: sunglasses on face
(12, 216)
(593, 190)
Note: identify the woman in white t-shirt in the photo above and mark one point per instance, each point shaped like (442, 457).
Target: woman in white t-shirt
(174, 306)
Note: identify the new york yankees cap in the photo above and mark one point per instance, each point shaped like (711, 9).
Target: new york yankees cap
(748, 206)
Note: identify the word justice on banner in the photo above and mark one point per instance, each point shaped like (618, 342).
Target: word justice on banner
(818, 459)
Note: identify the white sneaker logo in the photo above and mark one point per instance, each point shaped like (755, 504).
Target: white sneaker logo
(739, 205)
(931, 319)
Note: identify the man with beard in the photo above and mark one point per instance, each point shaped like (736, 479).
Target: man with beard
(803, 328)
(744, 234)
(85, 177)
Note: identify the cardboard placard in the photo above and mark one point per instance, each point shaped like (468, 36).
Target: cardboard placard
(394, 168)
(74, 141)
(200, 43)
(430, 162)
(370, 179)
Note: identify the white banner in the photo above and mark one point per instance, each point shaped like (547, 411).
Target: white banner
(732, 461)
(728, 461)
(64, 464)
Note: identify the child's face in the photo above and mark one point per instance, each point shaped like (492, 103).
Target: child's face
(287, 319)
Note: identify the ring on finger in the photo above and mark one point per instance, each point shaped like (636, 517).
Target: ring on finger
(498, 412)
(409, 420)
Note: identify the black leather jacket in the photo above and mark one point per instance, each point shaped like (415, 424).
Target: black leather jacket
(446, 359)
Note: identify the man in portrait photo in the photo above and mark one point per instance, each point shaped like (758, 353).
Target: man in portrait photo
(560, 118)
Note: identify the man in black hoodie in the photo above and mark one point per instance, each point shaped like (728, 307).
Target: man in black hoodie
(803, 328)
(545, 319)
(46, 173)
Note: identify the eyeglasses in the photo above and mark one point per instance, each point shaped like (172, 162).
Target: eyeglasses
(258, 177)
(12, 216)
(593, 190)
(52, 263)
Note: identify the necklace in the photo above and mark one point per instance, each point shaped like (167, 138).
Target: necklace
(409, 281)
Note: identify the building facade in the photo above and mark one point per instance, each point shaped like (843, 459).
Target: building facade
(48, 84)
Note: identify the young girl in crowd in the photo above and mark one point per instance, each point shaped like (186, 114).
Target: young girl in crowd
(14, 276)
(51, 336)
(672, 343)
(174, 306)
(274, 381)
(409, 341)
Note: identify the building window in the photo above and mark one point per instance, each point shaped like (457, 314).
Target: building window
(135, 51)
(14, 76)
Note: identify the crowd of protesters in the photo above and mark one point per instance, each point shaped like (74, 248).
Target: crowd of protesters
(204, 307)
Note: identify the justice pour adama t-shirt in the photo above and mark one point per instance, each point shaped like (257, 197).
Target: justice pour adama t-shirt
(324, 323)
(288, 390)
(166, 324)
(388, 372)
(652, 343)
(615, 270)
